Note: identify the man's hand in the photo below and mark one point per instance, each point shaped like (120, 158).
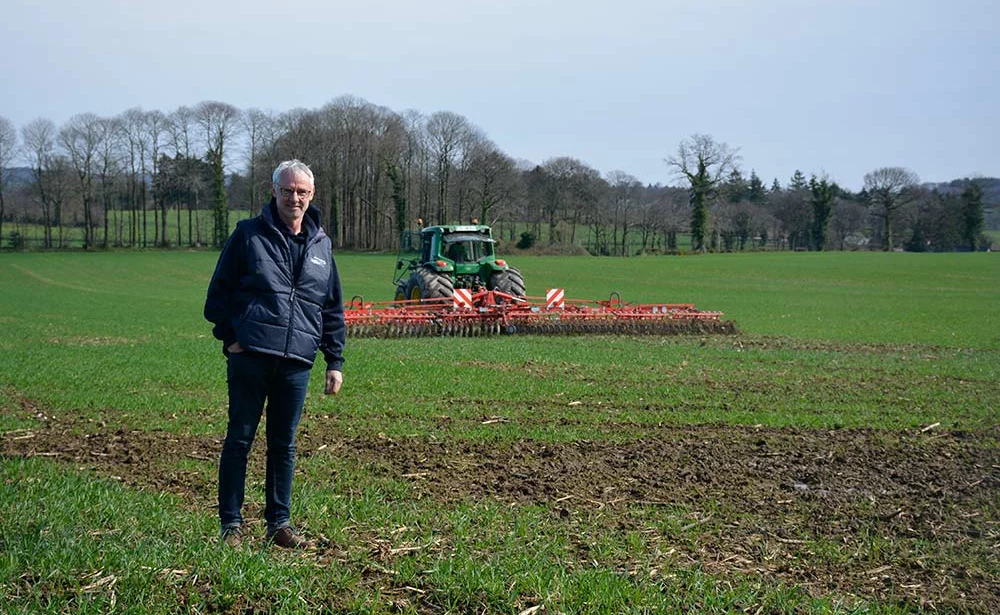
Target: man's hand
(333, 381)
(235, 348)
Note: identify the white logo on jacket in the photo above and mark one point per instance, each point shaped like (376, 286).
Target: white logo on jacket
(315, 260)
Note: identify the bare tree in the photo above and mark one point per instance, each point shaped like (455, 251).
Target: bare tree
(394, 156)
(109, 169)
(299, 131)
(155, 126)
(351, 146)
(445, 132)
(180, 127)
(58, 180)
(417, 164)
(8, 150)
(219, 123)
(354, 123)
(793, 215)
(703, 162)
(723, 225)
(81, 139)
(672, 213)
(472, 141)
(134, 140)
(744, 218)
(180, 182)
(647, 223)
(384, 146)
(847, 219)
(625, 191)
(258, 127)
(889, 189)
(39, 137)
(569, 188)
(492, 181)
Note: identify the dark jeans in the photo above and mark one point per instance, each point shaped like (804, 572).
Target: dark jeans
(254, 378)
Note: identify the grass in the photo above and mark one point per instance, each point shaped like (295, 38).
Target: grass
(144, 553)
(136, 551)
(108, 341)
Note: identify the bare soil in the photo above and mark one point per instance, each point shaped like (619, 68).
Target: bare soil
(912, 517)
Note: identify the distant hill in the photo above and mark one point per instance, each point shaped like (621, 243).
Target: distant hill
(991, 196)
(990, 186)
(19, 176)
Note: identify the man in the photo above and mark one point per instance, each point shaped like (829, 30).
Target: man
(275, 300)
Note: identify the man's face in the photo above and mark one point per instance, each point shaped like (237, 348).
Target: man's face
(293, 194)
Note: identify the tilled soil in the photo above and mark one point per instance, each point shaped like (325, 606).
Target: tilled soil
(749, 500)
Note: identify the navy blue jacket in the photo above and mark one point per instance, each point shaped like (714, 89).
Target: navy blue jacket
(257, 298)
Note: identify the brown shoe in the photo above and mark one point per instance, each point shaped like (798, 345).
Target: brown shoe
(287, 538)
(232, 536)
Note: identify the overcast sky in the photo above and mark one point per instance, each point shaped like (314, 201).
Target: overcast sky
(835, 87)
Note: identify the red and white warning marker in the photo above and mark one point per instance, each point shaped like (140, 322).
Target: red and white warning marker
(555, 299)
(462, 299)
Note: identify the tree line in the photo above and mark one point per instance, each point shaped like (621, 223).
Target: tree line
(148, 178)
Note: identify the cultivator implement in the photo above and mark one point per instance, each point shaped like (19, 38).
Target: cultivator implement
(488, 313)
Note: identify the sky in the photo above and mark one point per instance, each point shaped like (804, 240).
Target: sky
(835, 88)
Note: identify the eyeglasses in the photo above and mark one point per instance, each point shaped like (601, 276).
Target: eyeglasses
(288, 193)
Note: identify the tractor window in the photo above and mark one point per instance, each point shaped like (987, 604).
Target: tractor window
(466, 248)
(458, 252)
(425, 252)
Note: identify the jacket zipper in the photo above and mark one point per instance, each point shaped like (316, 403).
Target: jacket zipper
(291, 298)
(295, 285)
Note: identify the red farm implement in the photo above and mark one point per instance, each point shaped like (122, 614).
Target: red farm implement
(471, 313)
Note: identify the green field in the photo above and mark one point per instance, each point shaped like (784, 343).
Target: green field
(839, 455)
(197, 224)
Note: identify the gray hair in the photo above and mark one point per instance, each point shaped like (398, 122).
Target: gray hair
(293, 166)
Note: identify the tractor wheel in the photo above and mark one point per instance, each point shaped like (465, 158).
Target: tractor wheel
(400, 292)
(428, 284)
(510, 281)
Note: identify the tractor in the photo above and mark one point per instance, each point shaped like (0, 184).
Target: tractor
(449, 282)
(435, 260)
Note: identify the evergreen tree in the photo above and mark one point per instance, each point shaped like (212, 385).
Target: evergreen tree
(917, 242)
(936, 223)
(756, 192)
(701, 188)
(798, 181)
(735, 188)
(972, 214)
(775, 186)
(821, 197)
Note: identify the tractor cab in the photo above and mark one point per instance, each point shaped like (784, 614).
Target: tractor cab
(447, 257)
(463, 251)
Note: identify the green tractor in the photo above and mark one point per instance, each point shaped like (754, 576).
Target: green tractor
(436, 260)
